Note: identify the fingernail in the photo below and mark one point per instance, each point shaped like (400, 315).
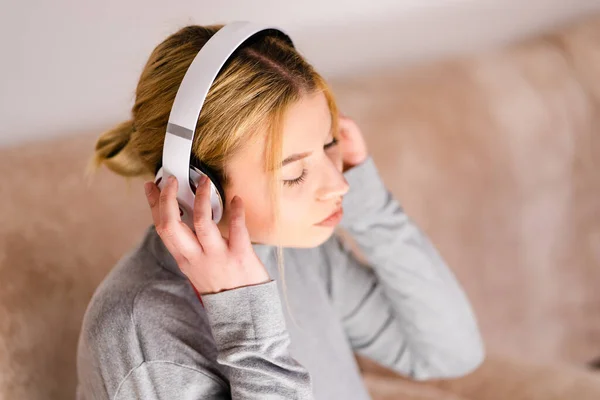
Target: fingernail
(171, 180)
(147, 187)
(203, 179)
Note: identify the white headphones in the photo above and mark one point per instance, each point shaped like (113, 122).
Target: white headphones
(185, 112)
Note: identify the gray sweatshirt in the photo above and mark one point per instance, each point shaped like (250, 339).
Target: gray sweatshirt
(146, 335)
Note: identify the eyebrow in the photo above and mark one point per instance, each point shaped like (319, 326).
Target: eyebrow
(300, 156)
(295, 157)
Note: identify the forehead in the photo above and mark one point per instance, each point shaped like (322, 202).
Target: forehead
(305, 126)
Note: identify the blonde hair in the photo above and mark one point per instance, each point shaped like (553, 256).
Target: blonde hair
(257, 85)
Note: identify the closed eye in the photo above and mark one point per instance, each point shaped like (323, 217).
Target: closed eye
(300, 179)
(331, 144)
(296, 181)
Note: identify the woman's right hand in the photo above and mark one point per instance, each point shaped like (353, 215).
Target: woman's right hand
(211, 262)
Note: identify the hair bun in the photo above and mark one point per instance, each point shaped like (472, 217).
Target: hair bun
(114, 149)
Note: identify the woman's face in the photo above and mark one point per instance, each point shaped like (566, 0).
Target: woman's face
(312, 173)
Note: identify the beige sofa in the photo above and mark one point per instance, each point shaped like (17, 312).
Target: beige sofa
(496, 156)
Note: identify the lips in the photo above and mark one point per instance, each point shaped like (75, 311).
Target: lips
(337, 210)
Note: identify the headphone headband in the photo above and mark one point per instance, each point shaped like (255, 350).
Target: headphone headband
(191, 95)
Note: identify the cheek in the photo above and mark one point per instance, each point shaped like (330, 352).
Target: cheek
(300, 215)
(297, 207)
(296, 218)
(256, 208)
(259, 218)
(293, 221)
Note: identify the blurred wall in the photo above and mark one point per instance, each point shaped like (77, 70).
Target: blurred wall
(71, 66)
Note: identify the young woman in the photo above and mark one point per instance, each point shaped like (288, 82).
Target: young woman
(210, 313)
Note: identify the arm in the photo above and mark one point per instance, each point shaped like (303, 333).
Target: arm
(242, 303)
(248, 328)
(407, 311)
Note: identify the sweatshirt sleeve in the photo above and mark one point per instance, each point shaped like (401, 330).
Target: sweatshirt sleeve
(252, 342)
(405, 309)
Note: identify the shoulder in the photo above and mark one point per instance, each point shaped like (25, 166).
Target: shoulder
(144, 317)
(113, 301)
(144, 303)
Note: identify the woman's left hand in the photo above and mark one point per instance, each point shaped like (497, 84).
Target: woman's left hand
(352, 142)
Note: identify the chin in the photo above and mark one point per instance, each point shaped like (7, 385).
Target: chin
(317, 236)
(314, 237)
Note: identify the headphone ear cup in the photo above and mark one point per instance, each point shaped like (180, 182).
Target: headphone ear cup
(193, 185)
(158, 178)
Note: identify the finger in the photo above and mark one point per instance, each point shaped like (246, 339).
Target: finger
(152, 195)
(207, 232)
(344, 128)
(184, 248)
(345, 118)
(346, 124)
(170, 227)
(352, 135)
(239, 239)
(177, 237)
(169, 209)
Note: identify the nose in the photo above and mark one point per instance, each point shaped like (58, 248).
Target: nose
(334, 184)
